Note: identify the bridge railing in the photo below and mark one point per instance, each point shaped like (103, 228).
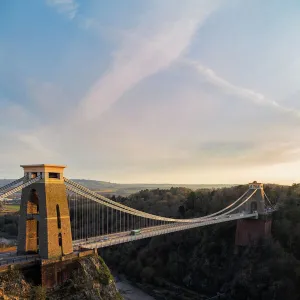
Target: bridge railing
(158, 231)
(19, 259)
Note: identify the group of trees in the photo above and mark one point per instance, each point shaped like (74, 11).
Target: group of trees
(205, 259)
(9, 225)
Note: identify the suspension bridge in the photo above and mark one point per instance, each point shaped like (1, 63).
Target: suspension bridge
(59, 216)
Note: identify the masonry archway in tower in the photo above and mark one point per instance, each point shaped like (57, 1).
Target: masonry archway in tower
(33, 202)
(253, 206)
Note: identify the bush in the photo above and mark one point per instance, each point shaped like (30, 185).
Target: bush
(38, 293)
(105, 276)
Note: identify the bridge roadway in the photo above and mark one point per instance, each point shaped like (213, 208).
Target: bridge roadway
(125, 237)
(11, 257)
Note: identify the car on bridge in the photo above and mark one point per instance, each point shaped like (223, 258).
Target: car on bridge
(135, 232)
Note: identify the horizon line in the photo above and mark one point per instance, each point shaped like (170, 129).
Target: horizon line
(290, 184)
(153, 183)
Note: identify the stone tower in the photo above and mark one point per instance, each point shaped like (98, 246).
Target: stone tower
(257, 201)
(249, 231)
(44, 225)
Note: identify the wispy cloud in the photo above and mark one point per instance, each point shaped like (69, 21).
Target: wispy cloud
(66, 7)
(242, 92)
(167, 118)
(142, 53)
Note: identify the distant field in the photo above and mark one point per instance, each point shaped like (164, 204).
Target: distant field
(10, 208)
(105, 191)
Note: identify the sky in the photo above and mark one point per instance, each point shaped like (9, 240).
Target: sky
(157, 91)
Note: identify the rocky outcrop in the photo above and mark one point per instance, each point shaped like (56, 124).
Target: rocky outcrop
(13, 286)
(91, 280)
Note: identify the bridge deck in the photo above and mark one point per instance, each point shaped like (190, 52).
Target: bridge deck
(11, 257)
(125, 237)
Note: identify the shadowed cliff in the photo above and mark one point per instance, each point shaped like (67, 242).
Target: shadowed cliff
(92, 280)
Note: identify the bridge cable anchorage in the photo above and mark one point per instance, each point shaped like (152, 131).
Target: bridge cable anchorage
(20, 187)
(9, 185)
(139, 213)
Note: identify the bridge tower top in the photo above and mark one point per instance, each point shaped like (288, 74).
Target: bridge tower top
(257, 200)
(256, 186)
(47, 172)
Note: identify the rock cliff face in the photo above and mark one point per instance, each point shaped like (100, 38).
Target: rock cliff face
(14, 286)
(92, 280)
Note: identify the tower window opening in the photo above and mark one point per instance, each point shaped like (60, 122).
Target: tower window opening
(37, 234)
(33, 203)
(253, 206)
(54, 175)
(33, 175)
(59, 239)
(58, 217)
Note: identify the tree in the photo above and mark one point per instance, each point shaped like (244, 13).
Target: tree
(190, 203)
(181, 210)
